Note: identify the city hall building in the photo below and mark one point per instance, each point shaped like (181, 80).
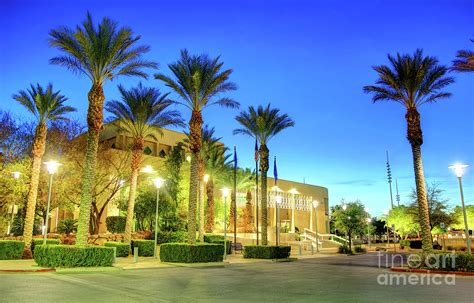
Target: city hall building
(301, 206)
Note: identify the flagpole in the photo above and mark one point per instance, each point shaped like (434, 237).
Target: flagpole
(235, 197)
(256, 186)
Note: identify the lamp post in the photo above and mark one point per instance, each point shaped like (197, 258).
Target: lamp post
(315, 206)
(459, 171)
(158, 183)
(52, 167)
(225, 193)
(202, 186)
(277, 225)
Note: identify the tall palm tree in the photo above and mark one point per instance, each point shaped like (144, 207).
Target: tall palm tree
(464, 61)
(198, 82)
(46, 105)
(263, 123)
(141, 113)
(413, 80)
(218, 163)
(101, 53)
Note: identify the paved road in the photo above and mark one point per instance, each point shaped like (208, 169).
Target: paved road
(330, 279)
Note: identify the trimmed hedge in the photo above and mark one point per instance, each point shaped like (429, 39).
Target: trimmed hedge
(115, 224)
(266, 252)
(145, 247)
(189, 253)
(123, 249)
(443, 261)
(11, 249)
(39, 241)
(218, 239)
(172, 237)
(73, 256)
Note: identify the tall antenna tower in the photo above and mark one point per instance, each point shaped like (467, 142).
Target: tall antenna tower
(389, 179)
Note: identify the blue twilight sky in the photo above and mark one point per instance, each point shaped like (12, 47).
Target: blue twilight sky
(308, 58)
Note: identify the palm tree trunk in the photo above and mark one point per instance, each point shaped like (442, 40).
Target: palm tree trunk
(210, 206)
(137, 152)
(201, 201)
(95, 117)
(195, 133)
(38, 152)
(415, 137)
(264, 194)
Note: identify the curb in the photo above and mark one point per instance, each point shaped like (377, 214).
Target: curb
(199, 265)
(65, 270)
(284, 260)
(428, 271)
(42, 270)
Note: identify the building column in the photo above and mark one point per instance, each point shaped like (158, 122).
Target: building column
(311, 217)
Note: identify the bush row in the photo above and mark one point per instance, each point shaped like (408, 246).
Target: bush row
(266, 252)
(123, 249)
(443, 261)
(172, 236)
(39, 241)
(145, 247)
(73, 256)
(189, 253)
(11, 249)
(218, 239)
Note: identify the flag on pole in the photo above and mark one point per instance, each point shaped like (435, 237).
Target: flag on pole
(275, 172)
(235, 157)
(256, 150)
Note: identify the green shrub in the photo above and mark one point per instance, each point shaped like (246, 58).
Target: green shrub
(266, 252)
(360, 249)
(415, 244)
(39, 241)
(444, 261)
(73, 256)
(115, 224)
(404, 243)
(344, 249)
(189, 253)
(172, 237)
(145, 247)
(218, 239)
(123, 249)
(67, 226)
(11, 249)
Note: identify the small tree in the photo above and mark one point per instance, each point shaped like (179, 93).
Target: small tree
(405, 221)
(458, 218)
(351, 219)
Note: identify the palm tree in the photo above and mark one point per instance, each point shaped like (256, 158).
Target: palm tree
(199, 80)
(141, 113)
(100, 53)
(413, 81)
(46, 105)
(263, 123)
(218, 162)
(464, 61)
(245, 182)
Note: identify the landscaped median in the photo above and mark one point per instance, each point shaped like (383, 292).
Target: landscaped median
(266, 252)
(191, 253)
(73, 256)
(439, 263)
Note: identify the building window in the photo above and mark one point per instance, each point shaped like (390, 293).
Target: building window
(147, 151)
(162, 154)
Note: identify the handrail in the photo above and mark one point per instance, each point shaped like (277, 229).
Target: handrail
(313, 235)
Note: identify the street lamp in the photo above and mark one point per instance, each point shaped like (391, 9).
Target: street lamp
(459, 171)
(158, 183)
(148, 170)
(52, 167)
(278, 200)
(315, 206)
(225, 194)
(202, 186)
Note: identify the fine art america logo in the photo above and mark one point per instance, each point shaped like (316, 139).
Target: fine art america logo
(416, 261)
